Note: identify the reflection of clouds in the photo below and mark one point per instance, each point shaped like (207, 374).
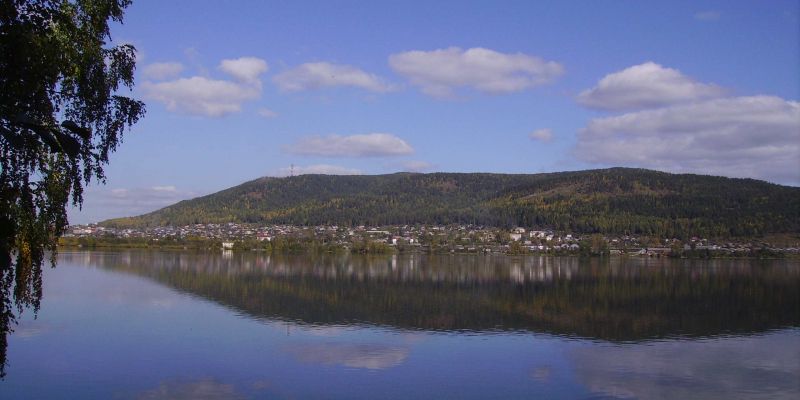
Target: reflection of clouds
(368, 356)
(137, 292)
(164, 303)
(137, 295)
(27, 329)
(412, 337)
(261, 384)
(198, 390)
(542, 374)
(326, 331)
(765, 367)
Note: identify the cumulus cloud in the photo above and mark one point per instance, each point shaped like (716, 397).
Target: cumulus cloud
(645, 86)
(366, 145)
(245, 69)
(440, 72)
(541, 135)
(200, 95)
(267, 113)
(755, 137)
(164, 70)
(321, 169)
(319, 75)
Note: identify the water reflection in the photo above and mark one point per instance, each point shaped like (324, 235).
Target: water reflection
(202, 389)
(617, 300)
(353, 355)
(745, 368)
(155, 325)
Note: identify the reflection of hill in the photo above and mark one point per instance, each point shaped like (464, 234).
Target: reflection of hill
(612, 300)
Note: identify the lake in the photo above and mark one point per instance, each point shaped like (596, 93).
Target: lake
(183, 325)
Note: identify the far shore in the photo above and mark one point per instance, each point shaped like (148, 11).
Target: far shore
(212, 246)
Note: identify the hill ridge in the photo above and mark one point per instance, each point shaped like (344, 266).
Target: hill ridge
(612, 200)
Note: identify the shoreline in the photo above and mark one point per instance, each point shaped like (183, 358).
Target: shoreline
(772, 255)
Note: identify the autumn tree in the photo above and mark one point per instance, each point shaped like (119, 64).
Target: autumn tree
(62, 112)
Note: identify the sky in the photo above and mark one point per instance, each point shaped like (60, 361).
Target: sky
(237, 90)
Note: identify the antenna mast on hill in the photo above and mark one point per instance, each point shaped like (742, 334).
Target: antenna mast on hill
(291, 170)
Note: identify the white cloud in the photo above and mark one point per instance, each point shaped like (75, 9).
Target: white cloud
(164, 70)
(245, 69)
(101, 203)
(367, 145)
(645, 86)
(709, 15)
(541, 135)
(200, 95)
(267, 113)
(118, 193)
(440, 72)
(755, 137)
(322, 74)
(170, 189)
(321, 169)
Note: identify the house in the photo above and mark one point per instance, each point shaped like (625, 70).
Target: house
(227, 245)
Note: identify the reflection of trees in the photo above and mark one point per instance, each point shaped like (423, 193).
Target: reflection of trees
(620, 299)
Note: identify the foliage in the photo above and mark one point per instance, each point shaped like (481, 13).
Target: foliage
(60, 117)
(594, 245)
(371, 247)
(516, 248)
(611, 201)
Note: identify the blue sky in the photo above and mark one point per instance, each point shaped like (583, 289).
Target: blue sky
(240, 90)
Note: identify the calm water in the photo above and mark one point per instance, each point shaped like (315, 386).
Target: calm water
(152, 325)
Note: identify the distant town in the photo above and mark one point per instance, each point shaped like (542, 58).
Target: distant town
(414, 238)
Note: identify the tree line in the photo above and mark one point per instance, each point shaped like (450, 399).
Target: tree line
(610, 201)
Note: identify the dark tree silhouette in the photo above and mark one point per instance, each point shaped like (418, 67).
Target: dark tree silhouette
(61, 115)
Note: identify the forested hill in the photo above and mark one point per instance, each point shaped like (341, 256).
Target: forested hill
(617, 200)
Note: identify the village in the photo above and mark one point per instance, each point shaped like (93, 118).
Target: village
(426, 238)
